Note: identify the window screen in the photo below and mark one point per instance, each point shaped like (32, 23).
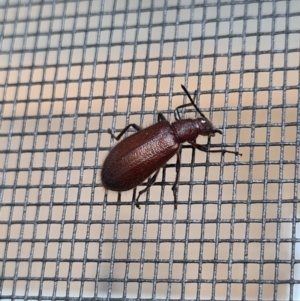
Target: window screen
(69, 71)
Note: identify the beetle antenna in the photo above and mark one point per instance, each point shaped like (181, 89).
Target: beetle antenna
(190, 98)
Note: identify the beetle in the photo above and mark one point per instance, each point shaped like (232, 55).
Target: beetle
(142, 154)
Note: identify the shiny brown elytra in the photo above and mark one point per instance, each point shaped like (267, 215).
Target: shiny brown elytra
(141, 155)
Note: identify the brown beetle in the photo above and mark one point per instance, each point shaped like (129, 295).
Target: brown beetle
(142, 154)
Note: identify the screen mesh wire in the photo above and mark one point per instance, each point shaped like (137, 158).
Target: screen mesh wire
(71, 70)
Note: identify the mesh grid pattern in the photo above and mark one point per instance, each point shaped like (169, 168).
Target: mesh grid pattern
(71, 70)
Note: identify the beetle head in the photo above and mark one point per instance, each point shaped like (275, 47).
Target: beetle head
(206, 128)
(203, 125)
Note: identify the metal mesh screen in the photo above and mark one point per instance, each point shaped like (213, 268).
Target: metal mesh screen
(69, 70)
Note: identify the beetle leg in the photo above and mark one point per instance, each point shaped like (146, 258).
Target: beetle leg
(149, 184)
(192, 100)
(176, 111)
(204, 148)
(175, 186)
(208, 141)
(135, 126)
(161, 117)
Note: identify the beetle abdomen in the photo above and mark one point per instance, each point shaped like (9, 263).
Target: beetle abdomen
(135, 158)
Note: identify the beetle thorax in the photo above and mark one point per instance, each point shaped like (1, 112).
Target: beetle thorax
(190, 129)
